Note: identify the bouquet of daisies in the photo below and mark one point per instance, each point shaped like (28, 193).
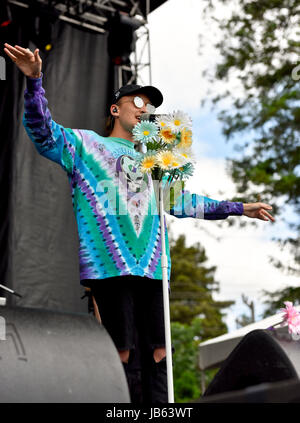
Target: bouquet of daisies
(169, 154)
(168, 140)
(168, 158)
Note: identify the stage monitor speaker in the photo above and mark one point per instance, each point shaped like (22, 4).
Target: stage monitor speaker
(277, 392)
(54, 357)
(257, 359)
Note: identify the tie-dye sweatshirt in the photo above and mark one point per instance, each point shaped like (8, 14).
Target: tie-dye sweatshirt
(114, 203)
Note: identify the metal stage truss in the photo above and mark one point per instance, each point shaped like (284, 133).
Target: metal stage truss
(95, 15)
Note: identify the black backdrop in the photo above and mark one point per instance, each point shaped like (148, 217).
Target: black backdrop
(38, 235)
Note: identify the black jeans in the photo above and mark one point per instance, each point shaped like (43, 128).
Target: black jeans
(147, 380)
(131, 309)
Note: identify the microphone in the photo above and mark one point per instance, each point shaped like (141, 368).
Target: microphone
(151, 117)
(148, 116)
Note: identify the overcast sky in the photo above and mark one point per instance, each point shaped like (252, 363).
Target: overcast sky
(241, 255)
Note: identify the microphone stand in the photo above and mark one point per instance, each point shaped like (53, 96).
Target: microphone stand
(167, 319)
(165, 282)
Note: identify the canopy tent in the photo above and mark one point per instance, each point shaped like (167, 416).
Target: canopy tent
(214, 351)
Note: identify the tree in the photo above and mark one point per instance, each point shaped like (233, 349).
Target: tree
(195, 315)
(260, 46)
(244, 319)
(192, 289)
(275, 300)
(186, 372)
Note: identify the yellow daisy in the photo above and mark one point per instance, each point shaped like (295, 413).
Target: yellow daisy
(147, 164)
(167, 135)
(185, 139)
(167, 160)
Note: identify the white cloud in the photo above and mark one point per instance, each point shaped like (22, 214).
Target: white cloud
(178, 32)
(241, 255)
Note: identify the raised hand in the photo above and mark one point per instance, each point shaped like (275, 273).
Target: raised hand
(258, 211)
(29, 63)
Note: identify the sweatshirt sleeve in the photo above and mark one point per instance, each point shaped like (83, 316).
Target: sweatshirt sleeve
(51, 140)
(201, 207)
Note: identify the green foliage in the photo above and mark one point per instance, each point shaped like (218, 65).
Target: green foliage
(260, 45)
(243, 320)
(195, 315)
(185, 371)
(275, 300)
(187, 376)
(192, 289)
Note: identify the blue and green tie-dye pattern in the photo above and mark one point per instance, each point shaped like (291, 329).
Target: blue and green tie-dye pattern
(114, 203)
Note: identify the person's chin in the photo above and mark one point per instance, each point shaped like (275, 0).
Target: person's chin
(131, 126)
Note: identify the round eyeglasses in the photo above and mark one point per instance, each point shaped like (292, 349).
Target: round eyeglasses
(139, 103)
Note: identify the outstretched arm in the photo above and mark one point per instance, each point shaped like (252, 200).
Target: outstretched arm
(52, 140)
(258, 211)
(29, 63)
(181, 203)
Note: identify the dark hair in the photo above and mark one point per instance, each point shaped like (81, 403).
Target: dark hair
(110, 121)
(109, 125)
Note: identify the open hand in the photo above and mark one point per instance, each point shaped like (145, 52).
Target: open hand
(258, 211)
(29, 63)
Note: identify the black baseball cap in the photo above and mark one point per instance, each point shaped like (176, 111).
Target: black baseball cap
(154, 95)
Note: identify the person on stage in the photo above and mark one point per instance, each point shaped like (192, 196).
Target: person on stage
(119, 234)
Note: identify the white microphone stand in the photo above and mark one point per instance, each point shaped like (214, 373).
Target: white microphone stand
(164, 266)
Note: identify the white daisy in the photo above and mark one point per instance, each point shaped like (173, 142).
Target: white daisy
(178, 121)
(161, 121)
(144, 131)
(186, 153)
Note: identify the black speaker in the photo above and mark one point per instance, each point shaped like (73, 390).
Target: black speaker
(257, 359)
(265, 393)
(54, 357)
